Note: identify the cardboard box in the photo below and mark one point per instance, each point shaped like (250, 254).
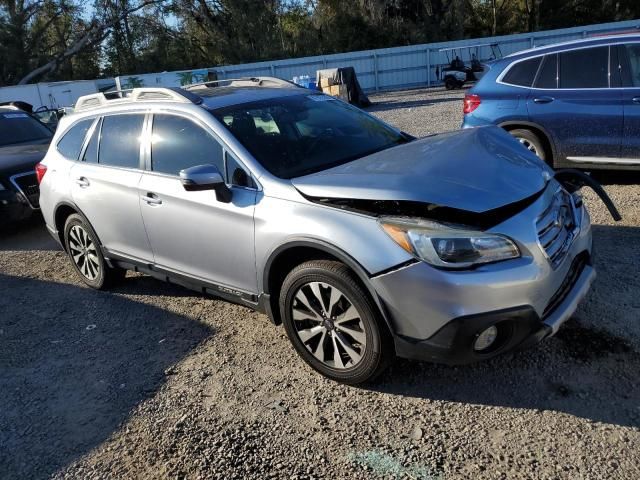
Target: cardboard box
(326, 82)
(338, 90)
(326, 90)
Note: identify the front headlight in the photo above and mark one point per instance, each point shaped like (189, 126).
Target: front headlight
(448, 246)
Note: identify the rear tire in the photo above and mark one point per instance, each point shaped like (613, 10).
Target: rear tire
(530, 141)
(333, 324)
(450, 83)
(83, 247)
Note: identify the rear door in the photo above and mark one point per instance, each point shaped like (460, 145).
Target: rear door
(572, 100)
(630, 70)
(104, 185)
(192, 233)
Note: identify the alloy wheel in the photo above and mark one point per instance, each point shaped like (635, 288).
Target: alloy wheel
(329, 325)
(529, 145)
(84, 253)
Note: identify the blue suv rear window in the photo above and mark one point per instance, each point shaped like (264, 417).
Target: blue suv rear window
(523, 73)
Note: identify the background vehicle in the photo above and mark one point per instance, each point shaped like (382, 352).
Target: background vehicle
(361, 240)
(573, 104)
(23, 143)
(455, 73)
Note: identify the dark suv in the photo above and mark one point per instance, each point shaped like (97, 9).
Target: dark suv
(23, 143)
(574, 104)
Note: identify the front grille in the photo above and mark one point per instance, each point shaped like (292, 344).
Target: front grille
(27, 184)
(575, 270)
(557, 227)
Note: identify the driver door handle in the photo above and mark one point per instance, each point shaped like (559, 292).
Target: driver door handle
(82, 182)
(636, 100)
(540, 100)
(151, 199)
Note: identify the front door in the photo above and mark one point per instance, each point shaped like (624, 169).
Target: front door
(572, 100)
(192, 233)
(104, 185)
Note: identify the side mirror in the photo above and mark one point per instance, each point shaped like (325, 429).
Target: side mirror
(205, 177)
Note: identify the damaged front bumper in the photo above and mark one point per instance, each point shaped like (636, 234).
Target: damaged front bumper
(438, 314)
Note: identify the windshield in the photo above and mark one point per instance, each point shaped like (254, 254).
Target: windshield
(303, 134)
(18, 127)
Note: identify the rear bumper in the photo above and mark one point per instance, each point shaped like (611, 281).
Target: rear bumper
(523, 327)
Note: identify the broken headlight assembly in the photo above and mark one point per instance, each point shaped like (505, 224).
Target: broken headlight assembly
(448, 246)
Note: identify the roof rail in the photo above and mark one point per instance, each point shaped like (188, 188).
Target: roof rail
(243, 82)
(160, 94)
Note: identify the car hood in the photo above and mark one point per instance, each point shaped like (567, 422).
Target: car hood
(476, 170)
(20, 158)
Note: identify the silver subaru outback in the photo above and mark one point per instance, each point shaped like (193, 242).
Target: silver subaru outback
(363, 241)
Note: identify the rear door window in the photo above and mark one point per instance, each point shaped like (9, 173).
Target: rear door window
(120, 140)
(632, 79)
(548, 74)
(178, 143)
(71, 142)
(523, 73)
(584, 68)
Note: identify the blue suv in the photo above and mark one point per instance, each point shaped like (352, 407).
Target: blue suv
(574, 104)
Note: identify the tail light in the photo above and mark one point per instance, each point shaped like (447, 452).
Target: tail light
(41, 169)
(471, 102)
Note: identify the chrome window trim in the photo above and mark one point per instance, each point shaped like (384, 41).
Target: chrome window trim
(12, 179)
(510, 66)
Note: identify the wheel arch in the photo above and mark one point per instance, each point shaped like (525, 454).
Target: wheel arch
(540, 131)
(61, 212)
(291, 254)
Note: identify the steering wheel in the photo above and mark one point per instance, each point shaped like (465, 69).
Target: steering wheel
(327, 132)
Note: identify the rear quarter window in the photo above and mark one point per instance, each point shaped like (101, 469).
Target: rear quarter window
(71, 142)
(522, 73)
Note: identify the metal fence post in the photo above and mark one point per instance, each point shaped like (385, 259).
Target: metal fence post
(375, 71)
(532, 41)
(428, 67)
(273, 70)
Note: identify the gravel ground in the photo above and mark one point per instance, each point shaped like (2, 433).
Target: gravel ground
(152, 381)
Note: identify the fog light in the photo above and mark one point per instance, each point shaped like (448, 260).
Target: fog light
(486, 339)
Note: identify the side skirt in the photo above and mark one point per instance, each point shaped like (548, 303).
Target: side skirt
(246, 299)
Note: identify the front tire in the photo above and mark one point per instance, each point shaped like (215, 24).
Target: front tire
(83, 248)
(332, 322)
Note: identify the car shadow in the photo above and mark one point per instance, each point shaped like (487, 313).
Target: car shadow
(27, 235)
(590, 369)
(64, 392)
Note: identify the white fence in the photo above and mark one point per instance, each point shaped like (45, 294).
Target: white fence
(382, 69)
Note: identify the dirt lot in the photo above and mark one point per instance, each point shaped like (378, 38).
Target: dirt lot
(153, 381)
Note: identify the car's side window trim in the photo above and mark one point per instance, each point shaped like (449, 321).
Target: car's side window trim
(620, 43)
(97, 121)
(148, 167)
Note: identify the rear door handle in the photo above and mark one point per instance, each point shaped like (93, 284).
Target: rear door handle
(543, 100)
(636, 100)
(82, 182)
(151, 199)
